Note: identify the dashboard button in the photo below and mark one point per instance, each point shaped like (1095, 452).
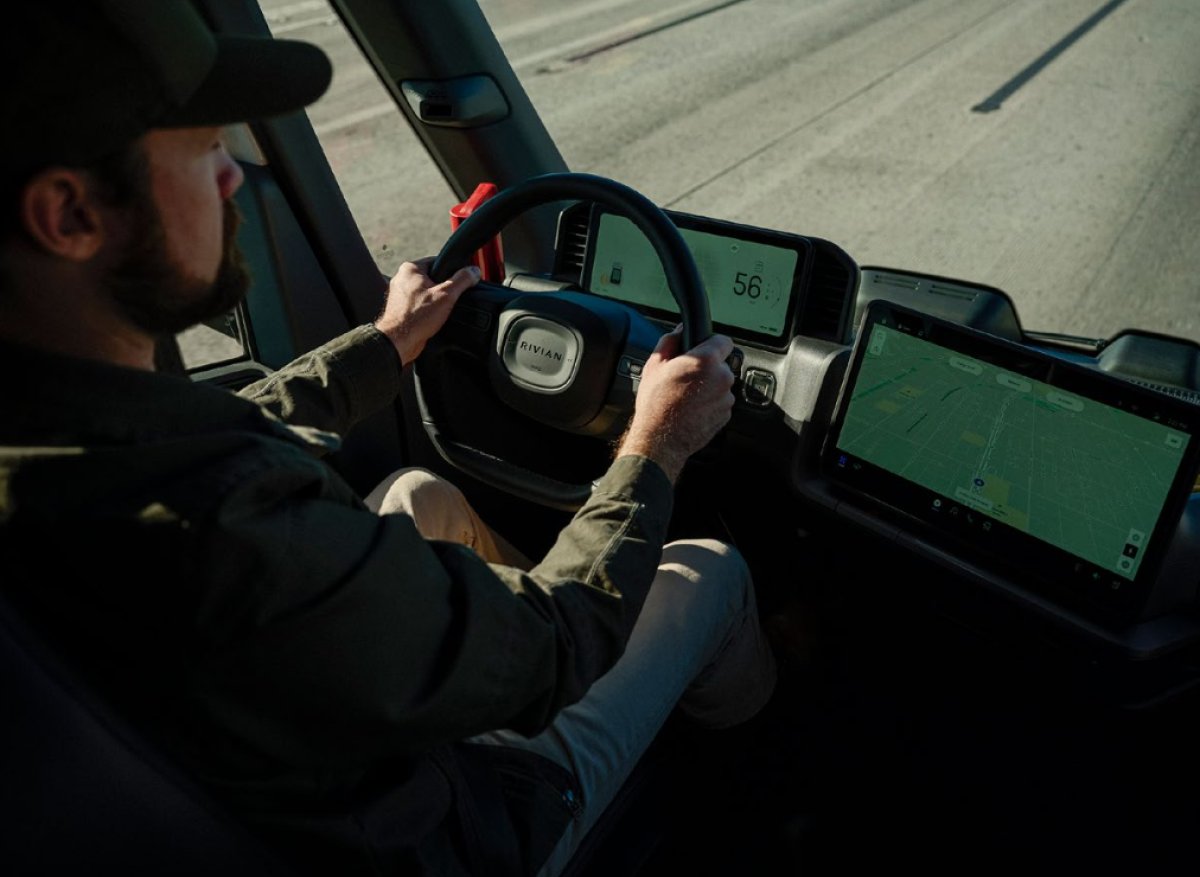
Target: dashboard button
(630, 367)
(735, 360)
(758, 387)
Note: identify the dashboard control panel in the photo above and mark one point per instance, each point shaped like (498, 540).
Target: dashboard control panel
(1070, 476)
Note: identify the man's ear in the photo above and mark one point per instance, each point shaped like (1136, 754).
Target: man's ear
(60, 212)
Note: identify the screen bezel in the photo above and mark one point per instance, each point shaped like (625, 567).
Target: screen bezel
(1017, 555)
(800, 245)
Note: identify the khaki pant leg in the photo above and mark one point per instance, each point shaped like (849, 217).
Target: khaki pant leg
(440, 511)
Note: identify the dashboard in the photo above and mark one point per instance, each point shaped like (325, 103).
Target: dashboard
(753, 276)
(1056, 473)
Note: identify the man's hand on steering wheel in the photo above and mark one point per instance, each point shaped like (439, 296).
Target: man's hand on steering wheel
(683, 401)
(417, 307)
(571, 360)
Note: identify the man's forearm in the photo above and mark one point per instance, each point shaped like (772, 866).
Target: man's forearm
(334, 386)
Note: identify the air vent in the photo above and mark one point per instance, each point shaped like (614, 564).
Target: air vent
(831, 283)
(881, 279)
(952, 291)
(1178, 392)
(571, 246)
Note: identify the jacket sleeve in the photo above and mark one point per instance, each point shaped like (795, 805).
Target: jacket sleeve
(337, 635)
(334, 386)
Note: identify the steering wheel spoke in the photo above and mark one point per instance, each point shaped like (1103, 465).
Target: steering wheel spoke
(472, 324)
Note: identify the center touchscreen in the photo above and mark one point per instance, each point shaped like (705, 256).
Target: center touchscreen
(749, 278)
(1007, 447)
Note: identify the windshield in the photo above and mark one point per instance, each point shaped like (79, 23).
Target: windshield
(1048, 149)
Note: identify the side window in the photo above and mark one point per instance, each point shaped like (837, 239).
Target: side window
(213, 343)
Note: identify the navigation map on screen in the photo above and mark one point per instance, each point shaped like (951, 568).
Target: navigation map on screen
(749, 284)
(1084, 476)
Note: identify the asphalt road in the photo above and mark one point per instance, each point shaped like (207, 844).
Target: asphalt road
(1049, 149)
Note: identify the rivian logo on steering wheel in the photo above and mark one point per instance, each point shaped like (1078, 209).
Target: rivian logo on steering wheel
(540, 350)
(541, 353)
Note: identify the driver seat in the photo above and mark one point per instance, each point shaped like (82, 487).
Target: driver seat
(82, 792)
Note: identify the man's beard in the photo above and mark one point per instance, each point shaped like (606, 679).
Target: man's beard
(154, 293)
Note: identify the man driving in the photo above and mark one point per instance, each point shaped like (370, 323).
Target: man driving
(379, 686)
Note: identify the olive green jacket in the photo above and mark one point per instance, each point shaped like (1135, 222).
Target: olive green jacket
(230, 593)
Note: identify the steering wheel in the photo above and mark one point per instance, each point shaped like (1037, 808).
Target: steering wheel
(569, 360)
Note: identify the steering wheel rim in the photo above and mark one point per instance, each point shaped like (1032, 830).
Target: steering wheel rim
(683, 280)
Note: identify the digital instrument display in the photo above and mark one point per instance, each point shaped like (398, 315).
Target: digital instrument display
(1077, 473)
(750, 275)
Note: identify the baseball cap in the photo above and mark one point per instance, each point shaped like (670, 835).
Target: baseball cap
(86, 76)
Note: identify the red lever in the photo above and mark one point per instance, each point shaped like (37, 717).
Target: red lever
(489, 258)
